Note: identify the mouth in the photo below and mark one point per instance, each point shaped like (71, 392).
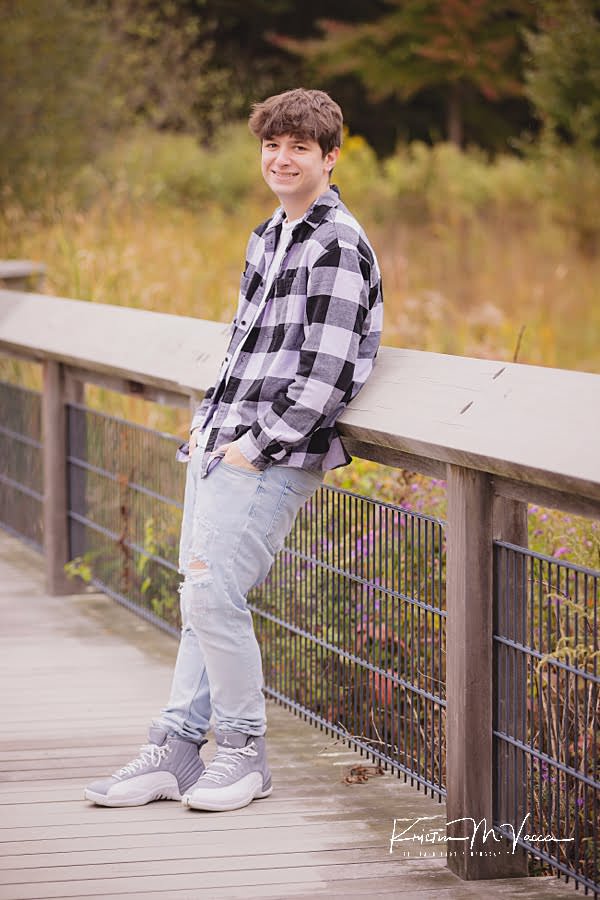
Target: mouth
(287, 176)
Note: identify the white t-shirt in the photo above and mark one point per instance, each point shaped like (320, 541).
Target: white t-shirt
(284, 239)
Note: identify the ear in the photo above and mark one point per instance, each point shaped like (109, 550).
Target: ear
(330, 159)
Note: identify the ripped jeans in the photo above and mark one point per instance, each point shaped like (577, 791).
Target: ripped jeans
(234, 522)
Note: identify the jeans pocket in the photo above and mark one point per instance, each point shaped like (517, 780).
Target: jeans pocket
(292, 499)
(303, 482)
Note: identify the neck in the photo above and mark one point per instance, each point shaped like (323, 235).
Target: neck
(296, 208)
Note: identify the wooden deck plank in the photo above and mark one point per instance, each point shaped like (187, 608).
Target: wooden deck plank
(367, 879)
(84, 677)
(349, 888)
(184, 823)
(199, 866)
(52, 814)
(72, 860)
(238, 877)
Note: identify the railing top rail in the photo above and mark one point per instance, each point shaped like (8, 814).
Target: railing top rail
(524, 423)
(20, 268)
(175, 353)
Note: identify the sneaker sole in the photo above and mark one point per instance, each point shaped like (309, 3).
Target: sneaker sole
(216, 806)
(103, 800)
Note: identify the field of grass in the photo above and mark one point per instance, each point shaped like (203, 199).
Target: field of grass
(479, 258)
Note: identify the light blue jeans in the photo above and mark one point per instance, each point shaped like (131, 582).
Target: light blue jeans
(234, 522)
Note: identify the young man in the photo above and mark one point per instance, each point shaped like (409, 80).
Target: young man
(303, 343)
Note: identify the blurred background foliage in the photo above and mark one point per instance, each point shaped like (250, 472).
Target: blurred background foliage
(472, 157)
(487, 72)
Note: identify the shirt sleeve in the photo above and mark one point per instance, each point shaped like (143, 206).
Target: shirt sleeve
(339, 299)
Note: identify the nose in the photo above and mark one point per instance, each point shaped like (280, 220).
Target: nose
(281, 157)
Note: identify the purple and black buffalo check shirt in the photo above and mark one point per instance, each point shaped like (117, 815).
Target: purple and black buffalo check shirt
(311, 348)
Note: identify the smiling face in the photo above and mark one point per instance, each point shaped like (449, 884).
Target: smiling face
(296, 171)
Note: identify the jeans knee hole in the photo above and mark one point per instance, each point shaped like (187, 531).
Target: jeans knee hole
(198, 572)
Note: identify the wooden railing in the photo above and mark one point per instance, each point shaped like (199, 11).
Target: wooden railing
(22, 274)
(501, 434)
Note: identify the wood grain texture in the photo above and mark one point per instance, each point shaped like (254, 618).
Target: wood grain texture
(469, 666)
(510, 525)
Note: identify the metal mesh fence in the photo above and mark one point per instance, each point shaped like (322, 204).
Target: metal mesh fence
(547, 710)
(125, 512)
(21, 477)
(351, 622)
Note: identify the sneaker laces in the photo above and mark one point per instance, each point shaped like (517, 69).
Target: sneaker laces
(225, 761)
(150, 755)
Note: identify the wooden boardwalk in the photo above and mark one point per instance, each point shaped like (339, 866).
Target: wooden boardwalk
(81, 678)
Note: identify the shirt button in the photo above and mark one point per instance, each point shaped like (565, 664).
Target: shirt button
(243, 322)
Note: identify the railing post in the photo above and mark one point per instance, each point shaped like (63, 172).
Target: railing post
(55, 518)
(77, 477)
(469, 679)
(510, 802)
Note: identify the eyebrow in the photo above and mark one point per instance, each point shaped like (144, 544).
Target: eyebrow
(296, 137)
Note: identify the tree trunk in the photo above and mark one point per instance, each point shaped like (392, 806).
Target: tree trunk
(454, 122)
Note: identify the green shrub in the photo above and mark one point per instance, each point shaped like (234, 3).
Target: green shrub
(358, 174)
(169, 168)
(572, 192)
(439, 183)
(444, 184)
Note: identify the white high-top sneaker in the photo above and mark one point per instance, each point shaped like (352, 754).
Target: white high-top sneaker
(166, 768)
(238, 774)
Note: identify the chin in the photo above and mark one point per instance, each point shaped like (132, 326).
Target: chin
(280, 188)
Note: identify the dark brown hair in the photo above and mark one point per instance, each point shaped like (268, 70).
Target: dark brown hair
(308, 115)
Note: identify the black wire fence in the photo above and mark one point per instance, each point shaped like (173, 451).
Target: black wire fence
(351, 622)
(547, 710)
(21, 470)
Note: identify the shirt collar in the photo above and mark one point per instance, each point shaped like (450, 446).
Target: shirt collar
(315, 214)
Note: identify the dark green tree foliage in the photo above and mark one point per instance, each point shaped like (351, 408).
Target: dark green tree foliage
(73, 73)
(162, 65)
(239, 32)
(49, 93)
(563, 83)
(459, 48)
(563, 80)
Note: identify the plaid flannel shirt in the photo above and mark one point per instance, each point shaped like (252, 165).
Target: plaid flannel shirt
(310, 350)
